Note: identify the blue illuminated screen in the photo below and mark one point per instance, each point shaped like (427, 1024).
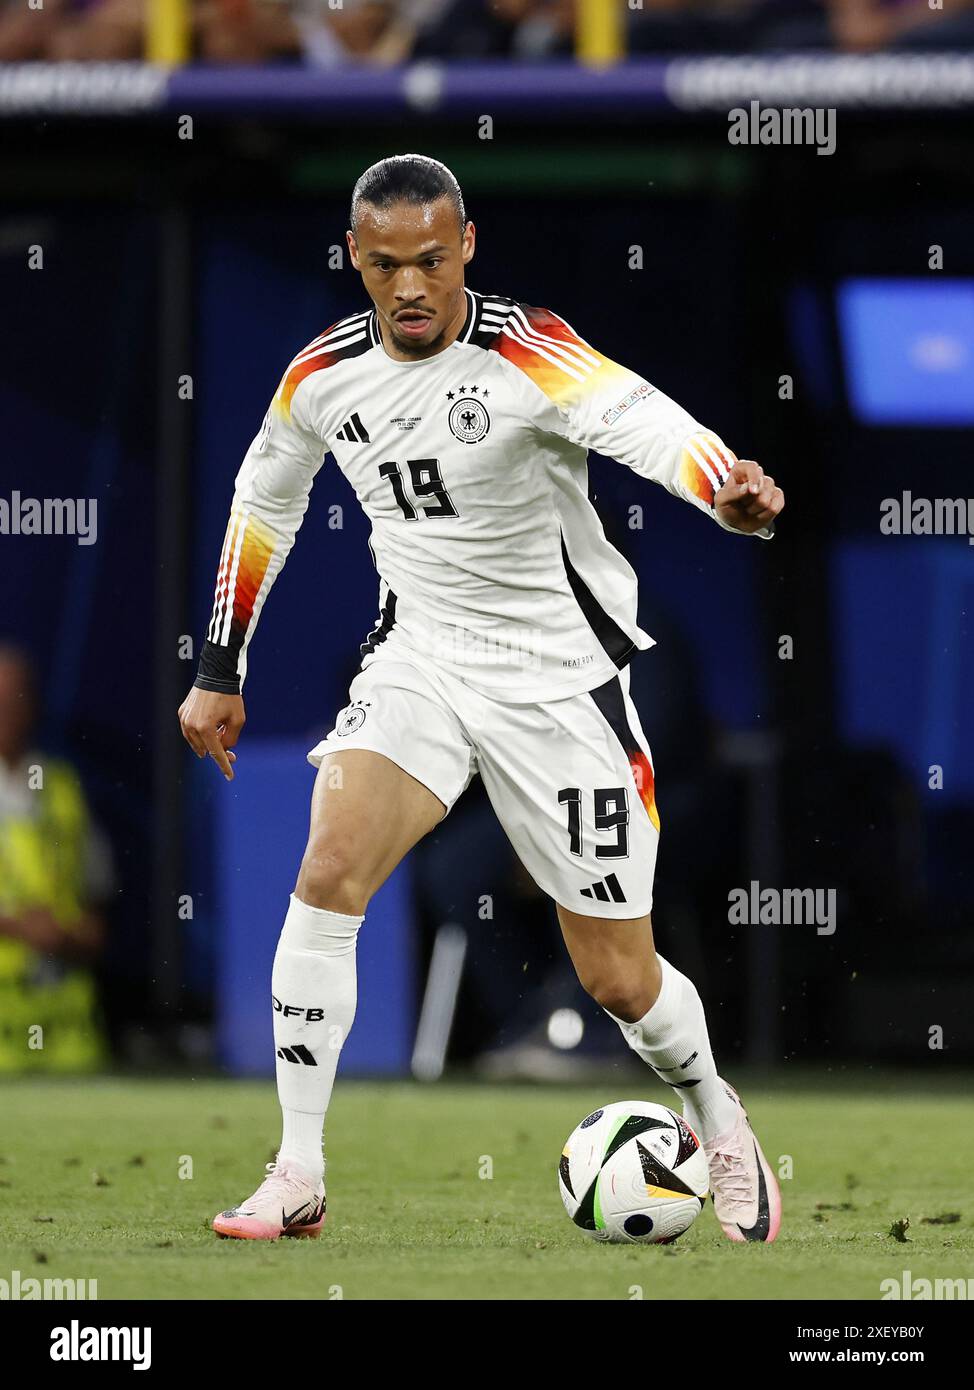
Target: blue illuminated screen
(908, 350)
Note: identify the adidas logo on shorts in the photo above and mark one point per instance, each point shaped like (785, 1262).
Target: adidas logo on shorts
(606, 890)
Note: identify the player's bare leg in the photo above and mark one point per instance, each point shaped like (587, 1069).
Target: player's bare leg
(615, 961)
(662, 1020)
(366, 814)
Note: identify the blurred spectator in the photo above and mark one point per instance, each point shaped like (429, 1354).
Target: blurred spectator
(378, 32)
(383, 33)
(693, 26)
(25, 34)
(740, 26)
(72, 30)
(55, 872)
(224, 31)
(867, 25)
(245, 31)
(473, 29)
(361, 31)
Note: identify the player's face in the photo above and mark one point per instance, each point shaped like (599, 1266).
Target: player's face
(412, 259)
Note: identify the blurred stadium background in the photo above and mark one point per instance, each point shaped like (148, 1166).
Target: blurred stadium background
(184, 169)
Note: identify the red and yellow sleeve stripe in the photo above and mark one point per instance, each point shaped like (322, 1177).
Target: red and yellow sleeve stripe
(563, 365)
(247, 550)
(705, 465)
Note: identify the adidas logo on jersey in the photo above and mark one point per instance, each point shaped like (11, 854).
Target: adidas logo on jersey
(608, 889)
(353, 431)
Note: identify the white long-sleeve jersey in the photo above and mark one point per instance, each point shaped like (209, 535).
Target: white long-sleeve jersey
(472, 468)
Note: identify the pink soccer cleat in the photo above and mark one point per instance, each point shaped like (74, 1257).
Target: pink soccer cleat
(744, 1189)
(288, 1203)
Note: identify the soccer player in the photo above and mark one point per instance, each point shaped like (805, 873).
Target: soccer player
(506, 622)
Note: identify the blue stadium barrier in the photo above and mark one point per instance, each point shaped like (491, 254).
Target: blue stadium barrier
(261, 829)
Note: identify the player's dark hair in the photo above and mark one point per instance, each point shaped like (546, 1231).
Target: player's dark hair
(407, 178)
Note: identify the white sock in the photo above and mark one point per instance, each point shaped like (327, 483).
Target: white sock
(672, 1039)
(313, 984)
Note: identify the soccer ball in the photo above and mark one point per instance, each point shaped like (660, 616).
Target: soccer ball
(633, 1172)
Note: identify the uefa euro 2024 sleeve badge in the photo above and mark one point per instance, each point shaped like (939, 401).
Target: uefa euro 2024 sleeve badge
(468, 419)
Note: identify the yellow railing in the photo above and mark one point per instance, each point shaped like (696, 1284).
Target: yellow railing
(600, 32)
(167, 32)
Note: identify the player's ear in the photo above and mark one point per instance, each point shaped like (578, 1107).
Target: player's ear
(468, 243)
(353, 250)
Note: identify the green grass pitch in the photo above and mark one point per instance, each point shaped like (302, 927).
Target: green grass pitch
(116, 1179)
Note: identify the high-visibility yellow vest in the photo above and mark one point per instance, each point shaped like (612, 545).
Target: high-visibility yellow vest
(49, 1014)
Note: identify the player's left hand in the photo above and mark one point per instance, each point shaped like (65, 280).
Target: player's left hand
(749, 499)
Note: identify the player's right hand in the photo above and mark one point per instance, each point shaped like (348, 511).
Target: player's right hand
(211, 723)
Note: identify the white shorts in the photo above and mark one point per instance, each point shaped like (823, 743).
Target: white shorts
(571, 780)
